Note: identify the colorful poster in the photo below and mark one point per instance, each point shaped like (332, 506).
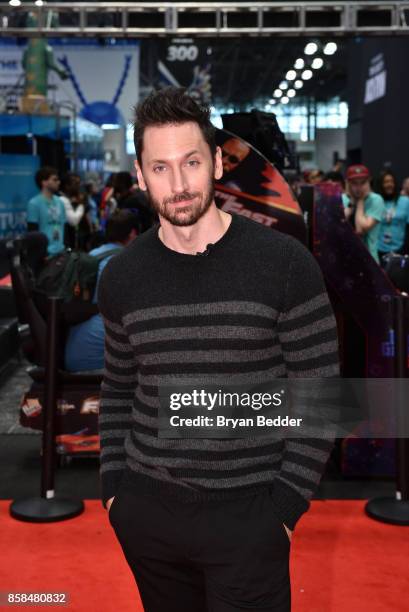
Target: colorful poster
(108, 99)
(186, 62)
(253, 187)
(17, 187)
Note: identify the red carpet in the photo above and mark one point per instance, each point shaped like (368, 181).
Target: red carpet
(341, 561)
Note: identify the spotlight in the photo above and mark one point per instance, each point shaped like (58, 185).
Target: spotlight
(291, 93)
(330, 48)
(285, 100)
(283, 85)
(306, 75)
(298, 84)
(291, 75)
(299, 63)
(14, 2)
(311, 48)
(277, 93)
(317, 63)
(39, 2)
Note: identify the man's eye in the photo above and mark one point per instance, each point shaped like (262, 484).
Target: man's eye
(158, 169)
(193, 162)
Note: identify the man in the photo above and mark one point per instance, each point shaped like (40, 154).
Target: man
(205, 524)
(84, 349)
(130, 196)
(45, 212)
(74, 209)
(363, 207)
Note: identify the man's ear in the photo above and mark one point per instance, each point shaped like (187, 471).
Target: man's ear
(218, 165)
(141, 181)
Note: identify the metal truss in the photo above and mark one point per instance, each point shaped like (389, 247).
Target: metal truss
(210, 19)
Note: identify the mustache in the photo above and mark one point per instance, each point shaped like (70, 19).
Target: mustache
(182, 197)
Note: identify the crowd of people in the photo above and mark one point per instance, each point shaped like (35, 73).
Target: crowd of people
(73, 214)
(82, 216)
(376, 207)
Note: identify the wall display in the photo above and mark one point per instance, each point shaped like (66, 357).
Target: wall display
(186, 62)
(253, 187)
(17, 187)
(108, 99)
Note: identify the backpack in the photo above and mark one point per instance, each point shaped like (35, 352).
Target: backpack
(71, 275)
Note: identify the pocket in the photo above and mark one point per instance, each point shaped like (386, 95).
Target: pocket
(273, 517)
(115, 501)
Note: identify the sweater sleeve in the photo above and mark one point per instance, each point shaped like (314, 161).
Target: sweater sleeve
(117, 390)
(308, 337)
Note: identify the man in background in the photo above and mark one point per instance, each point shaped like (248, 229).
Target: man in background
(84, 349)
(46, 212)
(362, 207)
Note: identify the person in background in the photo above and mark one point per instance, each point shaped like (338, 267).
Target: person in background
(74, 209)
(46, 211)
(128, 195)
(395, 218)
(315, 176)
(107, 202)
(363, 208)
(84, 348)
(336, 178)
(91, 190)
(405, 187)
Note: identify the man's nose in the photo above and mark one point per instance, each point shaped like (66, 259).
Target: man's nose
(179, 183)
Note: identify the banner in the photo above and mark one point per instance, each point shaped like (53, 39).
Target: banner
(186, 62)
(105, 99)
(17, 187)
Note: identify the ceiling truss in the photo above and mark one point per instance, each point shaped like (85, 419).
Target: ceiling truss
(210, 19)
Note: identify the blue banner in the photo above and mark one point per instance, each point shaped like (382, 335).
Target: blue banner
(17, 187)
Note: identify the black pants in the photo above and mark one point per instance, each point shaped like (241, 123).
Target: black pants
(212, 556)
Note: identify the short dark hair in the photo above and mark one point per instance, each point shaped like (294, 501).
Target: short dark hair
(120, 224)
(335, 177)
(43, 174)
(379, 184)
(171, 105)
(122, 182)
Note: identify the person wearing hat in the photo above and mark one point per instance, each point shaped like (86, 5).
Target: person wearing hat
(363, 207)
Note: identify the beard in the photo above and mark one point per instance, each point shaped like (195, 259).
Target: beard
(183, 216)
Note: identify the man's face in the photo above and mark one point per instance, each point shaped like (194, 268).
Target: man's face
(178, 172)
(52, 183)
(358, 187)
(388, 184)
(233, 153)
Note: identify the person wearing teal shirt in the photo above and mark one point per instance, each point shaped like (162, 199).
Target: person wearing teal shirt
(84, 348)
(363, 207)
(46, 212)
(396, 216)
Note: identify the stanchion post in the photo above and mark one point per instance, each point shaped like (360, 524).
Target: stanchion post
(50, 399)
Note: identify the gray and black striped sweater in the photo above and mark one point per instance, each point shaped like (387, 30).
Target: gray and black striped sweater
(256, 306)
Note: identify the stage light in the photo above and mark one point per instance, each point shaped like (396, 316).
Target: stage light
(291, 93)
(299, 63)
(291, 75)
(14, 2)
(311, 48)
(39, 2)
(277, 93)
(283, 85)
(317, 63)
(330, 48)
(285, 100)
(298, 84)
(306, 75)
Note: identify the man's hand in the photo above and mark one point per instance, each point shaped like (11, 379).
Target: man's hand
(109, 502)
(289, 532)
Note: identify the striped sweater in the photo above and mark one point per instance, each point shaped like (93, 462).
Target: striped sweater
(254, 308)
